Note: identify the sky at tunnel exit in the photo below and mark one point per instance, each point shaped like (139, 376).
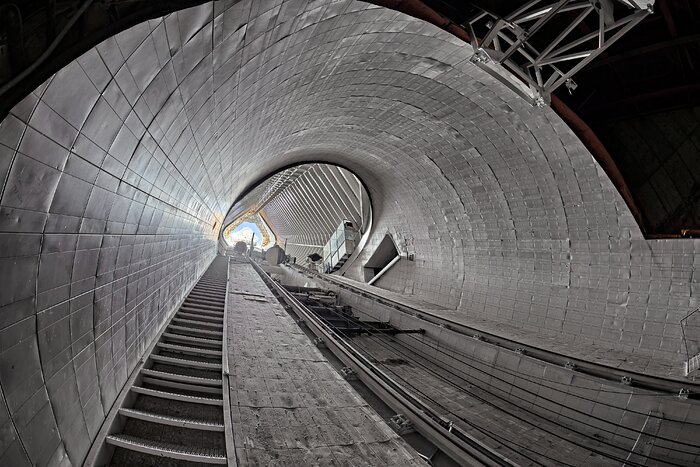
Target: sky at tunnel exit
(244, 232)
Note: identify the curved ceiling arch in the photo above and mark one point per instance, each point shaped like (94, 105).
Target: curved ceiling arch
(665, 36)
(61, 36)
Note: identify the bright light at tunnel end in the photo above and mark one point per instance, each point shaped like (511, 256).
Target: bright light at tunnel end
(244, 233)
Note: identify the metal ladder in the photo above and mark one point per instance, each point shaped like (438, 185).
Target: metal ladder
(174, 412)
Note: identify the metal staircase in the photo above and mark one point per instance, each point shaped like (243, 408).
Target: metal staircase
(173, 415)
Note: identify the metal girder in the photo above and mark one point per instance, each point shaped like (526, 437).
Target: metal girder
(507, 51)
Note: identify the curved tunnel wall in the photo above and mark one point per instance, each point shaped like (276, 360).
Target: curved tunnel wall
(118, 170)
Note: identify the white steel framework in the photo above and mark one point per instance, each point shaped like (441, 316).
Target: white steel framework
(504, 46)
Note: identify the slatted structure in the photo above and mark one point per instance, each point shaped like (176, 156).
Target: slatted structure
(305, 204)
(177, 413)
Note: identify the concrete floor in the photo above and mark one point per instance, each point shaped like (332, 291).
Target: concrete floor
(288, 405)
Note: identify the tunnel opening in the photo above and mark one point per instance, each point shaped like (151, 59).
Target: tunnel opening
(319, 214)
(251, 230)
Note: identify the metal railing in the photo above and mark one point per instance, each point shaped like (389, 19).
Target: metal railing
(690, 325)
(670, 385)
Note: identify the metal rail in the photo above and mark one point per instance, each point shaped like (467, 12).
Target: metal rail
(452, 440)
(232, 460)
(627, 377)
(224, 344)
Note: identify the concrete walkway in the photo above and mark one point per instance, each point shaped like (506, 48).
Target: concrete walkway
(288, 405)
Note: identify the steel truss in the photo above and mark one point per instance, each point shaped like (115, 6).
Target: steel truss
(507, 50)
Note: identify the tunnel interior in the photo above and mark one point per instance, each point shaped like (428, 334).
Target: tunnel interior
(122, 170)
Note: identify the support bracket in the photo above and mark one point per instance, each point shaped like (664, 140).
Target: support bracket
(401, 425)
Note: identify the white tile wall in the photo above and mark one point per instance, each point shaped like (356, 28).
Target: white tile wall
(116, 169)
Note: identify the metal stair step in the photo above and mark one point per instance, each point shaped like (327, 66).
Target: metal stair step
(183, 386)
(171, 421)
(202, 311)
(211, 285)
(172, 451)
(215, 297)
(215, 290)
(209, 291)
(210, 319)
(218, 287)
(205, 304)
(194, 330)
(198, 308)
(177, 397)
(198, 323)
(189, 350)
(186, 363)
(194, 340)
(207, 300)
(182, 378)
(207, 296)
